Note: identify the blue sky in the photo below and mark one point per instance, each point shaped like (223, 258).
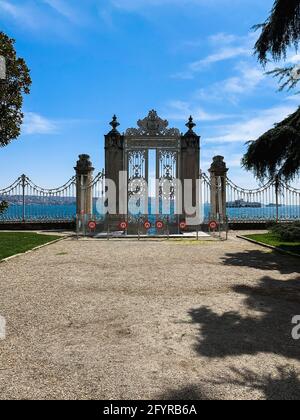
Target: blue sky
(90, 59)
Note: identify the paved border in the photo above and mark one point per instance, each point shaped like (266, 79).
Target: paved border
(33, 249)
(274, 248)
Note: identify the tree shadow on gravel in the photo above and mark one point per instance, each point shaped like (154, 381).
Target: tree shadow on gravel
(268, 330)
(282, 385)
(264, 325)
(263, 260)
(285, 385)
(186, 393)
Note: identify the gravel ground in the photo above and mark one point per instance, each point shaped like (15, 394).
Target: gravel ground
(121, 319)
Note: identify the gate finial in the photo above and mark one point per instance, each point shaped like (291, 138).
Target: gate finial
(190, 124)
(114, 123)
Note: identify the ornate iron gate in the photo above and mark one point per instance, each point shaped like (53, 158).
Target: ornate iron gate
(152, 134)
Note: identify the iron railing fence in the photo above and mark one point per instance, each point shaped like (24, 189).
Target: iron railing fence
(28, 202)
(98, 196)
(275, 201)
(205, 196)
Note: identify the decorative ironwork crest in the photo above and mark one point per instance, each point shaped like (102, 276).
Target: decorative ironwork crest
(137, 173)
(167, 160)
(153, 126)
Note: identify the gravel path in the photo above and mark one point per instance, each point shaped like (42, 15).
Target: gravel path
(121, 319)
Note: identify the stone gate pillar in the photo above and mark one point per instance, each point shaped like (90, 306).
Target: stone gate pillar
(84, 178)
(190, 162)
(114, 157)
(218, 174)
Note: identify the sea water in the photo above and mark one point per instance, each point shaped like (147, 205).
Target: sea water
(36, 212)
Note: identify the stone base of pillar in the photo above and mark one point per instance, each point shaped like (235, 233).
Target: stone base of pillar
(112, 222)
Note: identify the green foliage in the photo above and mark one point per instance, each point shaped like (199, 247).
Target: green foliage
(279, 31)
(13, 243)
(274, 239)
(12, 89)
(289, 232)
(277, 152)
(3, 206)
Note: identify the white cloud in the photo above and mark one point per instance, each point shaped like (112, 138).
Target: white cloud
(223, 38)
(294, 59)
(64, 9)
(294, 98)
(36, 124)
(139, 4)
(223, 54)
(251, 129)
(50, 17)
(225, 46)
(234, 161)
(232, 155)
(76, 12)
(21, 14)
(9, 8)
(215, 40)
(179, 110)
(135, 5)
(248, 79)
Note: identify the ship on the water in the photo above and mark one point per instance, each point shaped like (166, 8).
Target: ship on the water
(242, 204)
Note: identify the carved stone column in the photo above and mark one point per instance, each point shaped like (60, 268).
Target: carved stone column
(190, 162)
(114, 156)
(218, 173)
(84, 178)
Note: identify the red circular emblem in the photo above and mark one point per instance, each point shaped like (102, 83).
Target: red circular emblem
(182, 225)
(159, 225)
(123, 225)
(213, 225)
(92, 225)
(147, 225)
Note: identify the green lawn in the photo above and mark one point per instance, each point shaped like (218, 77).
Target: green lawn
(13, 243)
(274, 240)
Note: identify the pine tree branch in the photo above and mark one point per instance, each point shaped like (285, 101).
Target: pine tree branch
(286, 77)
